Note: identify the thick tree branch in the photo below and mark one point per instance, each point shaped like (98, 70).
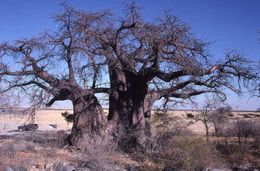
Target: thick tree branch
(21, 85)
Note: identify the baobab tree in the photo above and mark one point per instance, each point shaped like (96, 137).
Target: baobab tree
(145, 62)
(51, 67)
(149, 61)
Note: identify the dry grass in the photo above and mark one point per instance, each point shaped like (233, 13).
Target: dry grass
(187, 153)
(28, 150)
(198, 127)
(15, 151)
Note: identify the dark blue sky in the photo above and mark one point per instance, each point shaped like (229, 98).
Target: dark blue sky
(228, 24)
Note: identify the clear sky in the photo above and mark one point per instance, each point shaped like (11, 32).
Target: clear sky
(228, 24)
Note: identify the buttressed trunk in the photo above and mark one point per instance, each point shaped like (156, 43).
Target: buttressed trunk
(89, 121)
(128, 120)
(126, 111)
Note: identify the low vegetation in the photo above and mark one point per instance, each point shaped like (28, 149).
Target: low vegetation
(67, 116)
(174, 145)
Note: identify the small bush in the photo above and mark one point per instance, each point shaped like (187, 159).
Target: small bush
(246, 143)
(185, 152)
(247, 116)
(230, 151)
(230, 114)
(190, 115)
(67, 116)
(243, 128)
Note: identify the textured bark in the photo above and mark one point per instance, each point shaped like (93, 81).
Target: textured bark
(129, 122)
(89, 121)
(126, 112)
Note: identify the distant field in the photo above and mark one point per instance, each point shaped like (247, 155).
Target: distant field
(9, 122)
(199, 128)
(44, 117)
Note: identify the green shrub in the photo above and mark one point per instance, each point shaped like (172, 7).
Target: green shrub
(190, 115)
(67, 116)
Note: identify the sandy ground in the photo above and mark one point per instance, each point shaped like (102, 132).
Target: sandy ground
(10, 121)
(44, 117)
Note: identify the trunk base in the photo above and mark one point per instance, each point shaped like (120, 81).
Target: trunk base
(93, 143)
(88, 124)
(132, 139)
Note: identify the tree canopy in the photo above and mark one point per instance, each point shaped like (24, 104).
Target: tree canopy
(134, 61)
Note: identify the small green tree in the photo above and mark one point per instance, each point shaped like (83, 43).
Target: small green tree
(68, 117)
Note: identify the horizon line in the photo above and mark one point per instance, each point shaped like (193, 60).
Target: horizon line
(177, 109)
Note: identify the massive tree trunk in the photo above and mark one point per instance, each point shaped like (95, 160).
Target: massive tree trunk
(149, 101)
(126, 110)
(89, 121)
(128, 121)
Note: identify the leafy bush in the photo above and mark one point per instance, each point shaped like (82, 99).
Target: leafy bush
(190, 115)
(67, 116)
